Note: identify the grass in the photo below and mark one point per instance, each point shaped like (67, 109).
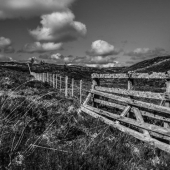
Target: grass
(40, 129)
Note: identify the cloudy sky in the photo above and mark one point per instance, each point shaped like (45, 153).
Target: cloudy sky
(85, 32)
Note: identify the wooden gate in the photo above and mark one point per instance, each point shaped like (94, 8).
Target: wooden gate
(142, 114)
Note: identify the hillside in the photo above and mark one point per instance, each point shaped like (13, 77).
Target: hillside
(41, 129)
(78, 72)
(157, 64)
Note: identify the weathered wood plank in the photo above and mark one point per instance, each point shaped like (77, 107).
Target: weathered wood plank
(110, 104)
(109, 76)
(154, 75)
(143, 125)
(150, 95)
(139, 118)
(167, 103)
(122, 107)
(95, 82)
(163, 146)
(87, 99)
(125, 111)
(154, 116)
(137, 103)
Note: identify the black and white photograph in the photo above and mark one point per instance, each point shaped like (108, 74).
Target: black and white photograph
(84, 84)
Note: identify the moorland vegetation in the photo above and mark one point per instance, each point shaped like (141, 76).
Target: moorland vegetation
(40, 129)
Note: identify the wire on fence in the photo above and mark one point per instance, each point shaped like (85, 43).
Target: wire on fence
(64, 83)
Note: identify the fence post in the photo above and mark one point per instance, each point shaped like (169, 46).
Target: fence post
(41, 77)
(29, 68)
(56, 81)
(47, 77)
(66, 86)
(167, 103)
(60, 83)
(72, 87)
(35, 76)
(130, 86)
(81, 83)
(53, 80)
(95, 82)
(130, 81)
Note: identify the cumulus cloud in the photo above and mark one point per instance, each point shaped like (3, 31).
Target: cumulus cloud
(57, 56)
(95, 60)
(44, 56)
(9, 49)
(5, 58)
(102, 60)
(102, 48)
(4, 42)
(59, 27)
(54, 57)
(146, 53)
(6, 45)
(38, 47)
(98, 60)
(108, 65)
(30, 8)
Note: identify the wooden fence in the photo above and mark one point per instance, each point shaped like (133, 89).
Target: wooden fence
(142, 114)
(66, 85)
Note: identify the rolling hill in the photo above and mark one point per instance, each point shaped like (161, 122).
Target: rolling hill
(157, 64)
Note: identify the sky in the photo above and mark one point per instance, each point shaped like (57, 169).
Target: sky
(103, 33)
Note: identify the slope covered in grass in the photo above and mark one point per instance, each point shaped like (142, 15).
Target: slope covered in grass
(75, 71)
(157, 64)
(41, 129)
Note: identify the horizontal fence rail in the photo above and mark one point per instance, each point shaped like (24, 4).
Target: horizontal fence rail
(154, 75)
(143, 114)
(151, 95)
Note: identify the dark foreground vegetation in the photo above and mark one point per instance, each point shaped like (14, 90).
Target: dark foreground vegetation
(40, 129)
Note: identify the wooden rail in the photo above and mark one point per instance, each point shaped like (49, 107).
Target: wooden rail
(154, 75)
(142, 119)
(122, 107)
(150, 95)
(163, 146)
(132, 102)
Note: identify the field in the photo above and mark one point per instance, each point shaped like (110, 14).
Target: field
(40, 129)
